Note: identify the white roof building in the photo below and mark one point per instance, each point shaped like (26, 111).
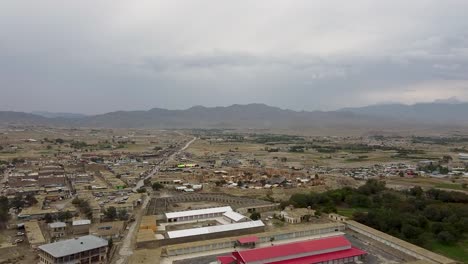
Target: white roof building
(57, 225)
(234, 216)
(194, 213)
(81, 222)
(73, 246)
(214, 229)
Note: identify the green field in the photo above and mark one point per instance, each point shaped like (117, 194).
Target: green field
(348, 212)
(453, 186)
(458, 251)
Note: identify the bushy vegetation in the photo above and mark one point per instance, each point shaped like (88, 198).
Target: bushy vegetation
(266, 138)
(84, 206)
(418, 216)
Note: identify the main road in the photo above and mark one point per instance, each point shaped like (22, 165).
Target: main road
(126, 249)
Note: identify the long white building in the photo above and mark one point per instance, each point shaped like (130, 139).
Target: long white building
(214, 229)
(197, 214)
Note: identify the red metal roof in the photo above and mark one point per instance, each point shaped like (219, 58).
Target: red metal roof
(227, 259)
(292, 249)
(353, 252)
(249, 239)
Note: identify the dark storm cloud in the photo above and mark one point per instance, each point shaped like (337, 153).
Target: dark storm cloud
(97, 56)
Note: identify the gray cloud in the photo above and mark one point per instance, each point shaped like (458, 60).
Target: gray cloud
(93, 57)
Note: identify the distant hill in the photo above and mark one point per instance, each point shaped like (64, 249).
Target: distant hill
(257, 116)
(440, 112)
(54, 115)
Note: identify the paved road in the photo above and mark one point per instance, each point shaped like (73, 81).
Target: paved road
(126, 249)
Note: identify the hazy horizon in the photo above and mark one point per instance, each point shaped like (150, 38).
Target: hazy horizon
(450, 100)
(95, 57)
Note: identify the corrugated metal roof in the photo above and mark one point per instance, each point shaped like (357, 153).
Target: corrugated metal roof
(214, 229)
(81, 222)
(233, 216)
(199, 212)
(57, 225)
(249, 239)
(73, 246)
(324, 257)
(294, 249)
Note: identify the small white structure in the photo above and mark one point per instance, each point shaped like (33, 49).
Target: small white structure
(197, 214)
(463, 156)
(234, 217)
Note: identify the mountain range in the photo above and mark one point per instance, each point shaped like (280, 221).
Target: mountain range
(256, 116)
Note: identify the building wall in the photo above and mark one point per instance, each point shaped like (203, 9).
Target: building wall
(95, 256)
(263, 238)
(398, 246)
(81, 229)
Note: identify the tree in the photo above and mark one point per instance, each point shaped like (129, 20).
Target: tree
(17, 201)
(147, 182)
(157, 186)
(59, 141)
(122, 214)
(30, 199)
(255, 216)
(445, 237)
(110, 213)
(416, 191)
(4, 215)
(63, 216)
(141, 190)
(48, 218)
(111, 243)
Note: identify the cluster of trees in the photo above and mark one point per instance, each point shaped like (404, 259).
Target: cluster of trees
(84, 206)
(61, 216)
(268, 138)
(255, 216)
(157, 186)
(415, 215)
(16, 202)
(112, 213)
(19, 201)
(433, 167)
(78, 144)
(297, 148)
(4, 207)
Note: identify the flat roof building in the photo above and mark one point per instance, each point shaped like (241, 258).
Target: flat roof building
(333, 249)
(85, 249)
(234, 217)
(197, 214)
(214, 229)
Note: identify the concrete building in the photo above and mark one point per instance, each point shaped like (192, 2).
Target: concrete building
(81, 227)
(297, 215)
(234, 217)
(57, 229)
(194, 232)
(197, 214)
(327, 250)
(85, 249)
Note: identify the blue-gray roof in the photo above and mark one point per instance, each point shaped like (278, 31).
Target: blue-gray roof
(73, 246)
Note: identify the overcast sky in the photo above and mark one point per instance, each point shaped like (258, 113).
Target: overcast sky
(99, 56)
